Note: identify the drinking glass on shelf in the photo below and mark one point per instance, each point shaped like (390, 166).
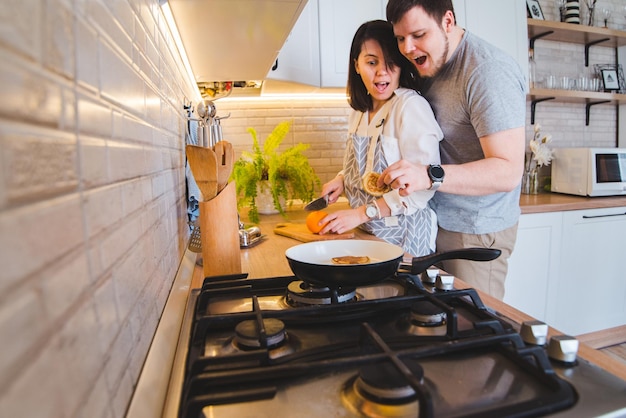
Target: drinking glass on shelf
(551, 81)
(560, 6)
(591, 8)
(566, 83)
(583, 83)
(606, 15)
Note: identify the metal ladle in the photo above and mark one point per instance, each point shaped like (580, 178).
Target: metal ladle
(206, 109)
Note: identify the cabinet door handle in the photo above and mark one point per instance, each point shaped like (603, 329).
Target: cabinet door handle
(603, 216)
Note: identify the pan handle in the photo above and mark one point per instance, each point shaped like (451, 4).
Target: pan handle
(420, 264)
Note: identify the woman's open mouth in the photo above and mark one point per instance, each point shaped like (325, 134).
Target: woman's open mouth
(381, 86)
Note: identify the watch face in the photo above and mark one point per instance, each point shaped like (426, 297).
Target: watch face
(436, 172)
(371, 211)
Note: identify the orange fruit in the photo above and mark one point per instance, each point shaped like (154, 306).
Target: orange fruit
(313, 219)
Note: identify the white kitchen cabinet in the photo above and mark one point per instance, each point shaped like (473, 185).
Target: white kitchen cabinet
(299, 60)
(591, 286)
(534, 264)
(317, 50)
(500, 22)
(567, 269)
(339, 20)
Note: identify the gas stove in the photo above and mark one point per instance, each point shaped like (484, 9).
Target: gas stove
(405, 347)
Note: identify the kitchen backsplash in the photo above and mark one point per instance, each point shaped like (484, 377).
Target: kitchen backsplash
(318, 121)
(92, 202)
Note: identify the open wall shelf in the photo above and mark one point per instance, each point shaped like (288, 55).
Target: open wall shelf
(588, 36)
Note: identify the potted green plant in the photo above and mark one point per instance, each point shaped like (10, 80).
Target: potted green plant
(287, 175)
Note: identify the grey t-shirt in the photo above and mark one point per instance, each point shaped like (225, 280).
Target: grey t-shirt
(480, 91)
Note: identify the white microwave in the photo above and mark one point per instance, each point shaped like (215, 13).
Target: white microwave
(589, 171)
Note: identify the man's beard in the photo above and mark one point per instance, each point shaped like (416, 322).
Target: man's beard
(438, 63)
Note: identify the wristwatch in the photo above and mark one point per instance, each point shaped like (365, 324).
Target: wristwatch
(372, 212)
(436, 174)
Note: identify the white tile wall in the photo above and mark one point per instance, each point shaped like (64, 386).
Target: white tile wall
(319, 122)
(92, 204)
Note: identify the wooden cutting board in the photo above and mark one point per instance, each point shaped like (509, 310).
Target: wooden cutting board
(302, 233)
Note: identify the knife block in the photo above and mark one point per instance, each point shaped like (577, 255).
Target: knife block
(219, 233)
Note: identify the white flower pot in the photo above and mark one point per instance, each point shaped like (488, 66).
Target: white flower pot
(264, 201)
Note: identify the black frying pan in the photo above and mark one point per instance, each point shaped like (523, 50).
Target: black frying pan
(312, 262)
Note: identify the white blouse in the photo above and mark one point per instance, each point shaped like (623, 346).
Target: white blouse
(409, 132)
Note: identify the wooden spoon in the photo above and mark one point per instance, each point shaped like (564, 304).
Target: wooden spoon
(203, 164)
(225, 161)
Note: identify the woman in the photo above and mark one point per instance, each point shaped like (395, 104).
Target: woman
(390, 122)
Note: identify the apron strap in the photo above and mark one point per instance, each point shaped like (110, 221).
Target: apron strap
(375, 132)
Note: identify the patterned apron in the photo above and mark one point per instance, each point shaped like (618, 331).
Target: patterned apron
(414, 233)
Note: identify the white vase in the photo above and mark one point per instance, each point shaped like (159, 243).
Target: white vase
(264, 200)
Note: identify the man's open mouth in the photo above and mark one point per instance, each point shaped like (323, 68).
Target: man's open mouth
(420, 60)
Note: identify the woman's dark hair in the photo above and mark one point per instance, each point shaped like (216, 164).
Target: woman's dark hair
(436, 9)
(382, 32)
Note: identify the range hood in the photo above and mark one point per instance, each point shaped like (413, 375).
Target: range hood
(228, 40)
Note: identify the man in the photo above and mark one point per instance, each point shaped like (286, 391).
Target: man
(478, 94)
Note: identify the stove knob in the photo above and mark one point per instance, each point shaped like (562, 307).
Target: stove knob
(563, 348)
(534, 332)
(445, 282)
(430, 276)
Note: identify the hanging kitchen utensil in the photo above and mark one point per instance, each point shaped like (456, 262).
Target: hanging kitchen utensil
(206, 109)
(203, 166)
(225, 160)
(317, 204)
(373, 261)
(195, 242)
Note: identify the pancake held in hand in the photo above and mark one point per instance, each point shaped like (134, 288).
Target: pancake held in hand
(369, 184)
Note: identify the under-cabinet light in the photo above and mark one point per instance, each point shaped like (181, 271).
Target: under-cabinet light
(171, 23)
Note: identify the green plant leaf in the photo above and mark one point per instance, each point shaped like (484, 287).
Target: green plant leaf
(289, 173)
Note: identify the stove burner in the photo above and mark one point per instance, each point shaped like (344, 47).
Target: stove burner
(427, 314)
(302, 293)
(425, 319)
(381, 390)
(247, 333)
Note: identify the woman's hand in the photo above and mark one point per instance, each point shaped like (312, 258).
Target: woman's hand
(405, 176)
(333, 189)
(343, 221)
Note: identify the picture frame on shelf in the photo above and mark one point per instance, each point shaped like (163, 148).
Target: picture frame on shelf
(612, 76)
(610, 80)
(534, 9)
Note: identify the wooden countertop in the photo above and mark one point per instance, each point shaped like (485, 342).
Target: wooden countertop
(267, 259)
(554, 202)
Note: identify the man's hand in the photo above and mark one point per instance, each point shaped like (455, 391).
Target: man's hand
(406, 176)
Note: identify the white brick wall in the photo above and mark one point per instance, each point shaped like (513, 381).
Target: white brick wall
(320, 122)
(92, 205)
